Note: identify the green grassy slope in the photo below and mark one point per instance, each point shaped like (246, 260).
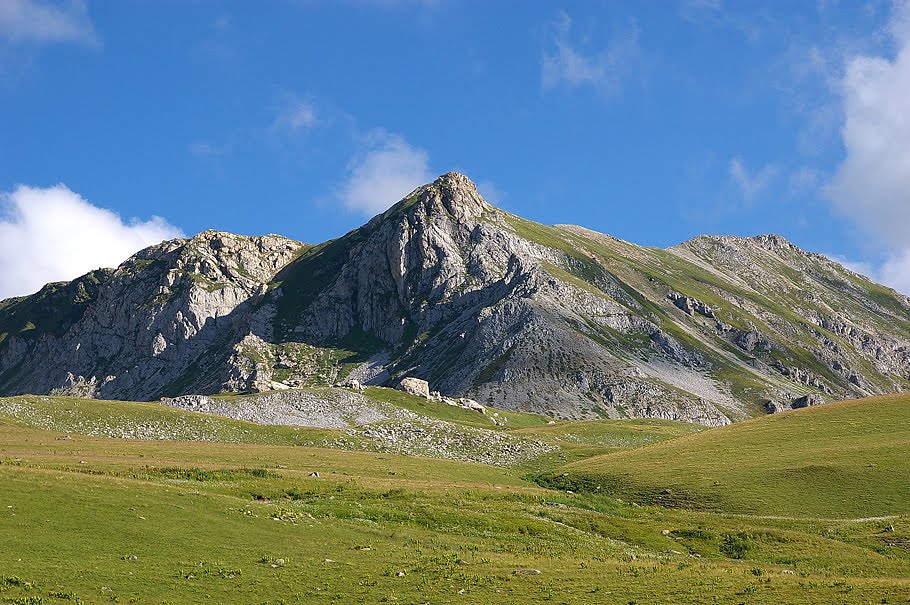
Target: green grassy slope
(460, 415)
(132, 420)
(616, 434)
(97, 520)
(846, 459)
(457, 431)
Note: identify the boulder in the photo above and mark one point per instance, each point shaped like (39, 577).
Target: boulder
(807, 401)
(415, 386)
(352, 383)
(470, 404)
(772, 407)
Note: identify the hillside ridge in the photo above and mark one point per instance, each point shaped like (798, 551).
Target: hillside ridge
(481, 303)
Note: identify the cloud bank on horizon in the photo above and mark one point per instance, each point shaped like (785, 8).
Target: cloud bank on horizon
(53, 234)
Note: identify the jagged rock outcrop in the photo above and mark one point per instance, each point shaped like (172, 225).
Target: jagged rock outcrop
(482, 305)
(158, 324)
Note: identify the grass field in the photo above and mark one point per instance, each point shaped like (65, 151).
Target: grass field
(89, 519)
(847, 459)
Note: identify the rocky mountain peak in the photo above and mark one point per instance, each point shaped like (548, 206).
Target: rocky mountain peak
(460, 195)
(478, 303)
(774, 243)
(452, 195)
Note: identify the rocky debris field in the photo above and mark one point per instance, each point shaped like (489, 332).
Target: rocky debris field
(372, 425)
(283, 418)
(327, 408)
(46, 413)
(440, 439)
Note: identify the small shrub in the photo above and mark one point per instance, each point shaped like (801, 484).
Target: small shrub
(227, 573)
(736, 546)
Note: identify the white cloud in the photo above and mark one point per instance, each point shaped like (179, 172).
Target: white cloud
(387, 170)
(894, 271)
(751, 185)
(568, 64)
(54, 234)
(297, 115)
(39, 22)
(857, 266)
(872, 185)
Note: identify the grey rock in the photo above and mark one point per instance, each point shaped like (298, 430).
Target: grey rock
(773, 407)
(415, 386)
(691, 305)
(807, 401)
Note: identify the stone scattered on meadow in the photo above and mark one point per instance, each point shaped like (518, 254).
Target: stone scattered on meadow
(415, 386)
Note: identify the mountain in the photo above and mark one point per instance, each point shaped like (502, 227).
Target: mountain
(480, 303)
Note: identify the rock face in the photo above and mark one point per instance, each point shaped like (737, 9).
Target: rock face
(159, 324)
(478, 304)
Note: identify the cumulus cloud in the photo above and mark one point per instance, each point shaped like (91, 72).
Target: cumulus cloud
(54, 234)
(567, 64)
(386, 171)
(872, 184)
(44, 22)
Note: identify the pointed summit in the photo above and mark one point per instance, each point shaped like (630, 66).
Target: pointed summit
(452, 193)
(460, 196)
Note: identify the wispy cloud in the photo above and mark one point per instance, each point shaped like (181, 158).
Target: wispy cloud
(206, 149)
(219, 43)
(804, 180)
(298, 115)
(569, 63)
(713, 13)
(54, 234)
(291, 116)
(387, 169)
(36, 22)
(871, 186)
(490, 192)
(751, 184)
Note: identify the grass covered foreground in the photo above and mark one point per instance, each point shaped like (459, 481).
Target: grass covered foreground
(99, 520)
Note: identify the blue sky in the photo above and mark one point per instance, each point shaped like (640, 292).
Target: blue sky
(651, 121)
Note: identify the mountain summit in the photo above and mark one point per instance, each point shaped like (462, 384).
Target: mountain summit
(478, 302)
